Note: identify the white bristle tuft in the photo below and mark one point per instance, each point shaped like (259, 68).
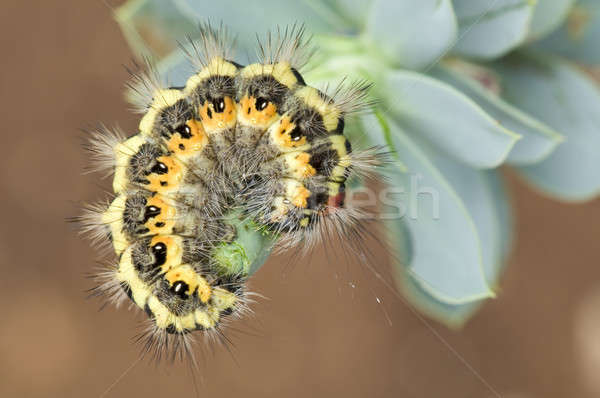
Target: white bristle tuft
(145, 82)
(212, 43)
(286, 45)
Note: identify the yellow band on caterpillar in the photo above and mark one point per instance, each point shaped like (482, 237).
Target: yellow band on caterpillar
(163, 222)
(127, 273)
(216, 67)
(296, 193)
(223, 299)
(281, 71)
(123, 153)
(338, 143)
(162, 100)
(113, 217)
(328, 111)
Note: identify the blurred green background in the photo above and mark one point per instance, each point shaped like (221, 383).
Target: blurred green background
(321, 332)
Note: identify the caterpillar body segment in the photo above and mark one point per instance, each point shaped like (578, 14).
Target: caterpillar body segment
(239, 159)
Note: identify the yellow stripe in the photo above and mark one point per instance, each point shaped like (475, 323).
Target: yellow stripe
(127, 273)
(202, 318)
(329, 112)
(162, 316)
(282, 72)
(217, 67)
(123, 153)
(333, 188)
(223, 299)
(186, 322)
(113, 217)
(162, 100)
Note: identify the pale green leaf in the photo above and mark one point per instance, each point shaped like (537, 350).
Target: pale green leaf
(351, 13)
(247, 19)
(412, 34)
(447, 259)
(578, 38)
(547, 16)
(490, 209)
(447, 118)
(538, 140)
(490, 29)
(506, 220)
(562, 96)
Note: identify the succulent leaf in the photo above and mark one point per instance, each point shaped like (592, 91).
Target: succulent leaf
(488, 205)
(249, 251)
(538, 140)
(548, 15)
(488, 30)
(448, 119)
(412, 34)
(562, 96)
(577, 38)
(446, 249)
(252, 18)
(353, 12)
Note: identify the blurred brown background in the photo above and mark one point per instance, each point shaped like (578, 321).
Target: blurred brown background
(315, 336)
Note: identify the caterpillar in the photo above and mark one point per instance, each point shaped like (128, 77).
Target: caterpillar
(236, 149)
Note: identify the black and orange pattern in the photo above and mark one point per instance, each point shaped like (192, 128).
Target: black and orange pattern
(251, 141)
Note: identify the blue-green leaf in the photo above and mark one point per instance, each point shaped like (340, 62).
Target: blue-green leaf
(452, 315)
(491, 29)
(353, 13)
(447, 259)
(249, 18)
(447, 118)
(538, 140)
(578, 37)
(152, 27)
(490, 209)
(559, 94)
(547, 16)
(341, 56)
(412, 34)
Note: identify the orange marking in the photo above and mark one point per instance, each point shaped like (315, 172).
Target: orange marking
(166, 217)
(189, 146)
(301, 194)
(216, 121)
(187, 274)
(305, 169)
(173, 250)
(262, 119)
(282, 136)
(168, 181)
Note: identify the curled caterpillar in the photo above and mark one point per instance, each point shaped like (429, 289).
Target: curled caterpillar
(241, 157)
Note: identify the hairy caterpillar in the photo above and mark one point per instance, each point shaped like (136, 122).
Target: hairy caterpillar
(237, 149)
